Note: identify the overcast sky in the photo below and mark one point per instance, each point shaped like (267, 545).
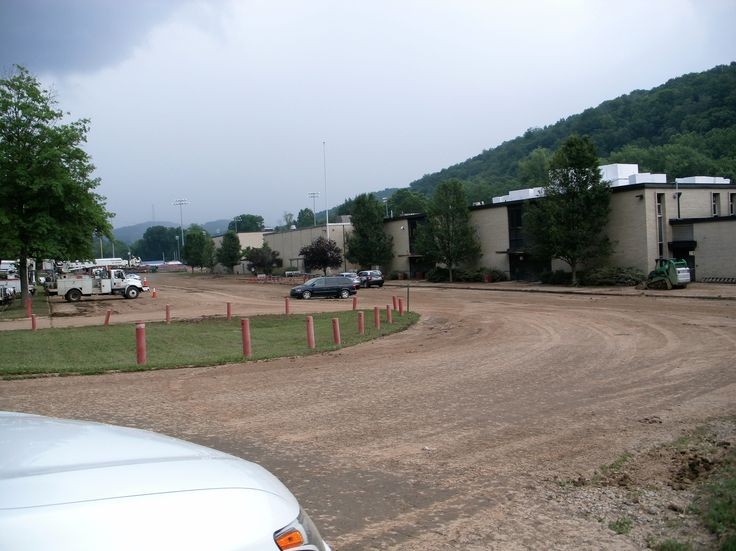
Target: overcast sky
(228, 103)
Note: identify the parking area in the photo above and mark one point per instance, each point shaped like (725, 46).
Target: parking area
(453, 434)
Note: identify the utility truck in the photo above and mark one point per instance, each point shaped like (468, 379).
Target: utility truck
(99, 282)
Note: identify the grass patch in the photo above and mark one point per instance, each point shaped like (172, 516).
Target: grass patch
(209, 341)
(672, 545)
(719, 504)
(621, 525)
(17, 308)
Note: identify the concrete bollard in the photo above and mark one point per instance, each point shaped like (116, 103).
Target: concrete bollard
(287, 306)
(107, 316)
(395, 302)
(310, 333)
(376, 317)
(34, 326)
(229, 311)
(401, 306)
(361, 323)
(389, 315)
(140, 343)
(336, 331)
(355, 302)
(29, 307)
(245, 330)
(168, 314)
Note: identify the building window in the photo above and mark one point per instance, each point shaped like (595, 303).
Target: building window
(716, 204)
(660, 224)
(732, 204)
(516, 232)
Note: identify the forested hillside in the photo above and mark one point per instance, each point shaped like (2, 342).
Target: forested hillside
(685, 127)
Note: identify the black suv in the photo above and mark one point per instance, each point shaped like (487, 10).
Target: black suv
(370, 278)
(340, 287)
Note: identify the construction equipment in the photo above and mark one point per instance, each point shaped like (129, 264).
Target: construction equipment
(668, 273)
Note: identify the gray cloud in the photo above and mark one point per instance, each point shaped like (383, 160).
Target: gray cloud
(63, 35)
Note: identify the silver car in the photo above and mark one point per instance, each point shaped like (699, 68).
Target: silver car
(78, 485)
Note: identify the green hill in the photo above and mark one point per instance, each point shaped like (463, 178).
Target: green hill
(685, 127)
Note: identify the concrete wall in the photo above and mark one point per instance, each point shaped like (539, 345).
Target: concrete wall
(289, 243)
(399, 231)
(715, 255)
(492, 225)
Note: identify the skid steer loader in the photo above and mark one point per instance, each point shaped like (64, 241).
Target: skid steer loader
(668, 273)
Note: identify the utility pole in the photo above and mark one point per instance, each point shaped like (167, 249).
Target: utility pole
(327, 206)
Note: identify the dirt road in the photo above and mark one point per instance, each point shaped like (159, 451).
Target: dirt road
(457, 433)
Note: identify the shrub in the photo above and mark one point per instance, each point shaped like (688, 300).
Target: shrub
(613, 275)
(438, 275)
(497, 275)
(558, 277)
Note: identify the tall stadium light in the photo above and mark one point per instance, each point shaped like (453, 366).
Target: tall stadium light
(327, 205)
(313, 196)
(180, 203)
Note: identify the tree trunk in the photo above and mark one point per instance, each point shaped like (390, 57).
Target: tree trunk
(574, 269)
(23, 274)
(450, 269)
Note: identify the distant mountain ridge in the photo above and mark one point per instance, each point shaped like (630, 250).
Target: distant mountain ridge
(684, 127)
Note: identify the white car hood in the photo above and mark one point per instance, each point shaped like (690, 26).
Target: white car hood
(46, 461)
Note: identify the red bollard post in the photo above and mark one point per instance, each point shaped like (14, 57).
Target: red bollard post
(355, 302)
(140, 343)
(168, 314)
(245, 329)
(229, 311)
(389, 315)
(29, 307)
(401, 306)
(361, 323)
(376, 317)
(395, 302)
(336, 331)
(287, 306)
(107, 316)
(310, 333)
(33, 322)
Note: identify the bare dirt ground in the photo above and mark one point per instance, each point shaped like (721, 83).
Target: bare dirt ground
(486, 426)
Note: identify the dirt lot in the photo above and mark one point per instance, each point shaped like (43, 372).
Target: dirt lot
(486, 426)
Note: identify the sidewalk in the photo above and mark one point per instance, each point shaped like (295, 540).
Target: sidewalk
(701, 291)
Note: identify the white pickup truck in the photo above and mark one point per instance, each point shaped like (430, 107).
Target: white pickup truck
(102, 282)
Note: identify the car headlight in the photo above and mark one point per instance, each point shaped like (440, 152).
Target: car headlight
(301, 534)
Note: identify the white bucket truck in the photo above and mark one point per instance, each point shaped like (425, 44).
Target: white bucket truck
(100, 282)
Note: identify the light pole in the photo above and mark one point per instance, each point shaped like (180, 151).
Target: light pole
(178, 251)
(327, 206)
(180, 203)
(313, 196)
(385, 202)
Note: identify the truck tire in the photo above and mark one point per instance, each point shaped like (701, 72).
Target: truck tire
(73, 295)
(132, 292)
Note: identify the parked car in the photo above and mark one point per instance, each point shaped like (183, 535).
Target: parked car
(79, 485)
(371, 278)
(351, 275)
(335, 286)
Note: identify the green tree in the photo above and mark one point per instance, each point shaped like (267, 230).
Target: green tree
(448, 237)
(246, 223)
(368, 244)
(48, 207)
(533, 170)
(305, 218)
(158, 242)
(229, 253)
(111, 248)
(322, 253)
(406, 201)
(263, 258)
(568, 222)
(198, 248)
